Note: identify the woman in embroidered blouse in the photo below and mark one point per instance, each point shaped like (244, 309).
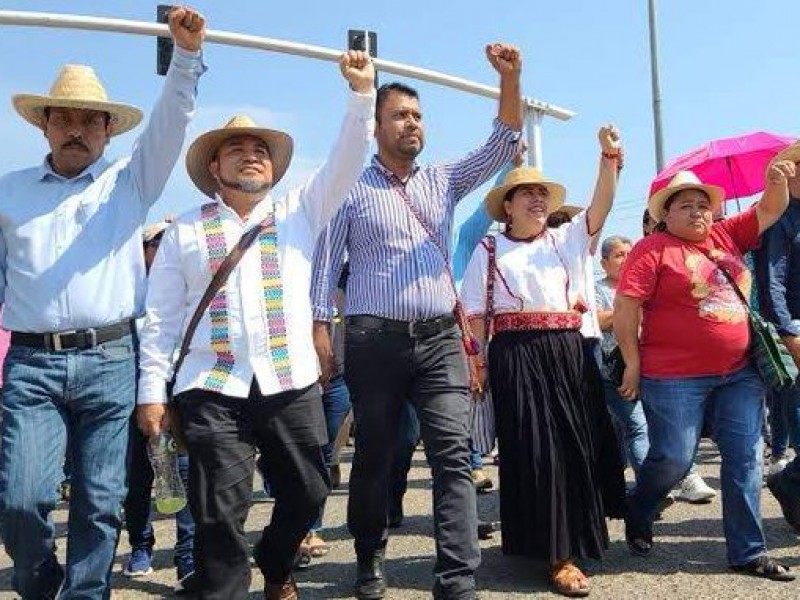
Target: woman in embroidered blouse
(552, 502)
(675, 281)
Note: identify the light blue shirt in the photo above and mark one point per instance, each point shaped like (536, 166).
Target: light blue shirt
(71, 252)
(473, 229)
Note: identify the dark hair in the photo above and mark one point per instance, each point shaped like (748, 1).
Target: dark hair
(557, 219)
(154, 241)
(389, 88)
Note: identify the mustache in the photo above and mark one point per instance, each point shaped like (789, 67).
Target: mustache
(75, 144)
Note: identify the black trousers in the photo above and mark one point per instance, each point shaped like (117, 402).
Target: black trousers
(384, 369)
(222, 435)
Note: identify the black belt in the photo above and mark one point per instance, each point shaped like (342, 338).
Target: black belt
(80, 339)
(421, 328)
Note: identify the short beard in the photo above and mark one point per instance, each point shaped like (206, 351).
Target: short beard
(246, 185)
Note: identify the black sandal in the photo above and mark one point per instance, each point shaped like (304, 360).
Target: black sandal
(767, 567)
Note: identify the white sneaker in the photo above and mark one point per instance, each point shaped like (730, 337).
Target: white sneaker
(694, 490)
(776, 466)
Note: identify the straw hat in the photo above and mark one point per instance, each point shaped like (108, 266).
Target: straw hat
(523, 176)
(570, 210)
(684, 180)
(152, 231)
(204, 149)
(791, 153)
(77, 86)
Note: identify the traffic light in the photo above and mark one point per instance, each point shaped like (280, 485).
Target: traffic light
(361, 39)
(164, 45)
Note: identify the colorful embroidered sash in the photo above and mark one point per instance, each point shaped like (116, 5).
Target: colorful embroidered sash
(217, 246)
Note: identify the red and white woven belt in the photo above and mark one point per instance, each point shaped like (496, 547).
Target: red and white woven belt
(526, 321)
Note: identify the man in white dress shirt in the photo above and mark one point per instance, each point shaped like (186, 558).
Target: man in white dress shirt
(249, 380)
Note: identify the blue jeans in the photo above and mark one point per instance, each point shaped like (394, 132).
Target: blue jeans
(674, 409)
(336, 402)
(87, 395)
(634, 426)
(784, 419)
(138, 503)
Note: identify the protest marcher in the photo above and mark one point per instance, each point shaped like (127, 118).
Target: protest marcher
(249, 379)
(402, 342)
(559, 478)
(72, 281)
(689, 277)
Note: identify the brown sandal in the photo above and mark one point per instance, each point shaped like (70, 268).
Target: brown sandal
(568, 580)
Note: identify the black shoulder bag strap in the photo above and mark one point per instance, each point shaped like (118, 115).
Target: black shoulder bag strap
(219, 279)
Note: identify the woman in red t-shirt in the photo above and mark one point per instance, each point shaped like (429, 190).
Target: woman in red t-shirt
(691, 359)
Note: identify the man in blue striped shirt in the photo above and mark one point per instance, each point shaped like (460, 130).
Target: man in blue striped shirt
(402, 342)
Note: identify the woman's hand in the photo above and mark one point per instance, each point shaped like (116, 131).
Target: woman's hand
(629, 389)
(609, 138)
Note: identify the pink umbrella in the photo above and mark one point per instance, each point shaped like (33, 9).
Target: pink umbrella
(736, 164)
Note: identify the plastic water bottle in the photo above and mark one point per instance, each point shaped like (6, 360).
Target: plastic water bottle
(170, 495)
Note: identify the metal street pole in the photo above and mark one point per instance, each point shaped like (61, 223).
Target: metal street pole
(656, 85)
(62, 21)
(533, 126)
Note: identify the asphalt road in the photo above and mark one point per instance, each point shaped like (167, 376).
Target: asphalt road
(688, 560)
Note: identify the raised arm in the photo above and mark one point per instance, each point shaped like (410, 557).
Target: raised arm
(507, 61)
(606, 186)
(775, 199)
(327, 189)
(159, 145)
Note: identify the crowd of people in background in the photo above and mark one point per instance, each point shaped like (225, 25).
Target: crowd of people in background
(258, 330)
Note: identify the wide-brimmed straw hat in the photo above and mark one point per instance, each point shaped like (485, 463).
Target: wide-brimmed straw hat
(791, 153)
(523, 176)
(204, 149)
(77, 86)
(684, 180)
(570, 210)
(153, 230)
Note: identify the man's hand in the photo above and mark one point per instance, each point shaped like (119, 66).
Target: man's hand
(780, 172)
(504, 58)
(322, 344)
(358, 70)
(188, 27)
(152, 419)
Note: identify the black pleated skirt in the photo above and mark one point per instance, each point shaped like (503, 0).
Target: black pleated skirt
(560, 467)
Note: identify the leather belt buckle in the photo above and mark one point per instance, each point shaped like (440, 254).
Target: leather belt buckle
(54, 340)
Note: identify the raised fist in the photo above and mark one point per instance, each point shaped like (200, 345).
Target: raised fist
(358, 70)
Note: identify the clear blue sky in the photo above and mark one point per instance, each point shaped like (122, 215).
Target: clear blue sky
(727, 68)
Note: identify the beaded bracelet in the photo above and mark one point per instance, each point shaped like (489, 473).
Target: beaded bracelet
(619, 156)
